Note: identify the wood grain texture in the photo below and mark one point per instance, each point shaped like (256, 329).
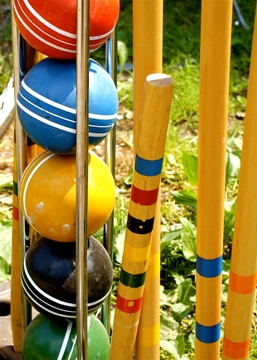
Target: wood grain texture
(148, 164)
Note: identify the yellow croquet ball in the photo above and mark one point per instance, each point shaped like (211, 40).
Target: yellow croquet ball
(48, 195)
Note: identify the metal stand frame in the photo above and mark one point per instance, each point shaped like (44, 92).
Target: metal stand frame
(82, 61)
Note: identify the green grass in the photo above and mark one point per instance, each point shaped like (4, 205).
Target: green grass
(179, 178)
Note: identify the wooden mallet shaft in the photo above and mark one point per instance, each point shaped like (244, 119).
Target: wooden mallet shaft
(147, 59)
(243, 270)
(142, 206)
(216, 23)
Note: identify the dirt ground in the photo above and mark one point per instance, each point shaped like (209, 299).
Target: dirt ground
(6, 348)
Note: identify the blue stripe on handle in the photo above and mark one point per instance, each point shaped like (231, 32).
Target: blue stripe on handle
(207, 334)
(148, 167)
(209, 268)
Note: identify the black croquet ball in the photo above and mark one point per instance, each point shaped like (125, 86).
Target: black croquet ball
(49, 276)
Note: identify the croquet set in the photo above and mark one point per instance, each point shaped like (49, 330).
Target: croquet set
(66, 103)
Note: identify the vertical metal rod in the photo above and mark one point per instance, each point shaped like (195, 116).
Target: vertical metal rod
(110, 153)
(83, 7)
(240, 16)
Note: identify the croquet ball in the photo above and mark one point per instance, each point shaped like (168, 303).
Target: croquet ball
(47, 103)
(52, 339)
(51, 26)
(48, 195)
(49, 276)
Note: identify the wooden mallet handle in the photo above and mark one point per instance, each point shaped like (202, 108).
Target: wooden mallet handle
(145, 185)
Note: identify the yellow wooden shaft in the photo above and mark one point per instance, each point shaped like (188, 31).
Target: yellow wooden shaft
(216, 24)
(16, 306)
(147, 49)
(147, 58)
(148, 336)
(142, 207)
(16, 290)
(243, 271)
(16, 309)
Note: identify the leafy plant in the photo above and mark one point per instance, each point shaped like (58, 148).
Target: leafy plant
(5, 249)
(122, 54)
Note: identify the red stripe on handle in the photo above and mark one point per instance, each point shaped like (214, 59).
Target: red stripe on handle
(128, 306)
(235, 350)
(15, 213)
(144, 197)
(242, 284)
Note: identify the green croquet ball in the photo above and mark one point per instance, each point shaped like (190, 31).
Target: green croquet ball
(53, 339)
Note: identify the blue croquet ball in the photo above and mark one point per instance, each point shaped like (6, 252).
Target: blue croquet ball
(52, 339)
(47, 104)
(49, 277)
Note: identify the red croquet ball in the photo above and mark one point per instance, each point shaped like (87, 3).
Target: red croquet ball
(50, 27)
